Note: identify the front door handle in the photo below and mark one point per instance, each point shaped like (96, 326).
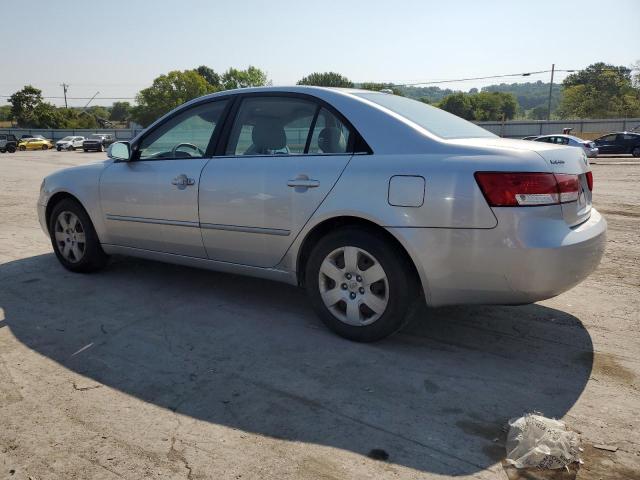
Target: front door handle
(302, 182)
(182, 181)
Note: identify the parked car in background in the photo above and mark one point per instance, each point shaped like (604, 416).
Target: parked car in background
(531, 137)
(26, 136)
(69, 143)
(370, 201)
(8, 142)
(35, 144)
(587, 146)
(97, 142)
(619, 143)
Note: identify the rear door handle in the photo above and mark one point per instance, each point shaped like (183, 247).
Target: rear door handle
(182, 181)
(303, 181)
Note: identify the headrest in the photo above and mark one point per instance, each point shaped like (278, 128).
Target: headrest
(331, 140)
(268, 135)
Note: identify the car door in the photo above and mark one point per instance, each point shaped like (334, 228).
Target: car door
(607, 143)
(151, 202)
(282, 157)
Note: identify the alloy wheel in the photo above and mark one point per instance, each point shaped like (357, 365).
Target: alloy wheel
(70, 236)
(353, 286)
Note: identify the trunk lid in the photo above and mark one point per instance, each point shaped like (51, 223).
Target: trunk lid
(560, 159)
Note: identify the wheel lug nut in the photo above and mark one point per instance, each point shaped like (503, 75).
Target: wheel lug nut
(361, 290)
(343, 286)
(348, 275)
(359, 278)
(352, 295)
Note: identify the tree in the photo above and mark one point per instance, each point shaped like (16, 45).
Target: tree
(210, 76)
(166, 93)
(23, 104)
(481, 106)
(251, 77)
(120, 111)
(5, 113)
(459, 104)
(326, 79)
(600, 91)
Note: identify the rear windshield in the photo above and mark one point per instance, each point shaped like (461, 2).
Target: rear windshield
(437, 121)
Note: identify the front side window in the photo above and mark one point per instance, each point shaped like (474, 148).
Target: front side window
(330, 135)
(271, 126)
(608, 138)
(186, 135)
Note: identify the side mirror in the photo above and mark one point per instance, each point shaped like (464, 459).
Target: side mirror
(120, 151)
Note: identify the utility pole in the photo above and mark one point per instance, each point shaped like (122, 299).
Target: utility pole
(64, 88)
(553, 67)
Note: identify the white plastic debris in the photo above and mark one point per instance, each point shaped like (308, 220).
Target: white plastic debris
(535, 441)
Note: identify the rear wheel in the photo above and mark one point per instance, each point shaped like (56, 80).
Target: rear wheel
(85, 150)
(59, 149)
(44, 147)
(11, 149)
(74, 239)
(360, 285)
(22, 148)
(636, 152)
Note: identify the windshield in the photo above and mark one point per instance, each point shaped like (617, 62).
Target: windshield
(96, 136)
(66, 139)
(437, 121)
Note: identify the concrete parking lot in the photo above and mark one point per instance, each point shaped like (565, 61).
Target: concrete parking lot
(147, 370)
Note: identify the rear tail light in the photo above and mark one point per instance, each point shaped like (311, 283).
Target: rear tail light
(512, 189)
(590, 181)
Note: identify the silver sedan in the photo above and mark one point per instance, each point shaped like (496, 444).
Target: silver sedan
(370, 201)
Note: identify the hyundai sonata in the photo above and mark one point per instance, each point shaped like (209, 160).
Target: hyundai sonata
(368, 200)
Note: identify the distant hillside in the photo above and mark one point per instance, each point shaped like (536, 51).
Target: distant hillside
(532, 97)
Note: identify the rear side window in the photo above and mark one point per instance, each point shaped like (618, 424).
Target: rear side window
(271, 126)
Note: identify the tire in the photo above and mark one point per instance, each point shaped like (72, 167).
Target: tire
(72, 148)
(85, 150)
(392, 297)
(2, 150)
(44, 147)
(11, 149)
(89, 257)
(22, 148)
(636, 152)
(100, 148)
(59, 149)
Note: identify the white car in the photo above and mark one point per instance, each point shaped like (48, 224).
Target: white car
(69, 143)
(588, 147)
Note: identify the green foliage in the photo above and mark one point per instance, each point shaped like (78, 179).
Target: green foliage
(120, 111)
(600, 91)
(481, 106)
(459, 104)
(166, 93)
(424, 94)
(210, 76)
(530, 95)
(251, 77)
(5, 113)
(326, 79)
(23, 104)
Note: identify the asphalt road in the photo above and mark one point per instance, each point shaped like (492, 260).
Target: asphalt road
(147, 370)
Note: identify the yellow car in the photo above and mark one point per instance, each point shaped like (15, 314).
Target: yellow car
(35, 144)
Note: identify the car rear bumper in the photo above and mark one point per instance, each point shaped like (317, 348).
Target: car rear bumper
(531, 255)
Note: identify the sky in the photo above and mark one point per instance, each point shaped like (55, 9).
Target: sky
(118, 47)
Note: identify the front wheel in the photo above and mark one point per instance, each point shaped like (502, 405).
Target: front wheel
(22, 148)
(636, 152)
(360, 284)
(44, 147)
(74, 239)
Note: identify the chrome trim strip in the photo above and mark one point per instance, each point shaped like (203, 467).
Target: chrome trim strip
(157, 221)
(237, 228)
